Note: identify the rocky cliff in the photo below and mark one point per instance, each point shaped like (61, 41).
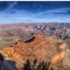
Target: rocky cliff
(43, 49)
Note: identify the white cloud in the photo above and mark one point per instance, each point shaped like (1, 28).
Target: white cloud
(10, 6)
(19, 16)
(53, 11)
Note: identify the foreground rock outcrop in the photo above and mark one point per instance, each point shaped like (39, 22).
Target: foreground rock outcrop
(42, 49)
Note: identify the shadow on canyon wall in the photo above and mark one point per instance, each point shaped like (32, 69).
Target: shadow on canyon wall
(6, 64)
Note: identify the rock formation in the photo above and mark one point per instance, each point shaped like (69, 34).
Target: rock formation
(43, 49)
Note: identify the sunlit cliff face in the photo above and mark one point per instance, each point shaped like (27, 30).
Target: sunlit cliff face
(42, 49)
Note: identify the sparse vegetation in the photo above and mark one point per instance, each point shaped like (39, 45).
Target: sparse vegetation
(34, 65)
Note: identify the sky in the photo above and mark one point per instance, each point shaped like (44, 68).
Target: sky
(34, 12)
